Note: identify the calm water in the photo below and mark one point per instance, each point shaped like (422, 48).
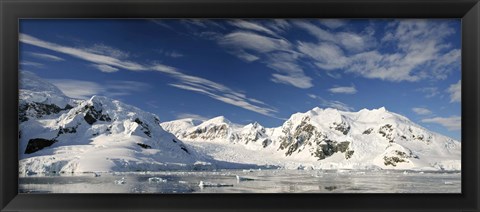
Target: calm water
(251, 181)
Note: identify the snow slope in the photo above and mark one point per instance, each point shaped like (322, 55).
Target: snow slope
(326, 139)
(60, 134)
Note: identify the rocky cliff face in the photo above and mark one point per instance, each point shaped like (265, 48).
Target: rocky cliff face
(374, 137)
(59, 134)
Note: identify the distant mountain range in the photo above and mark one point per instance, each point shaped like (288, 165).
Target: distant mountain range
(60, 134)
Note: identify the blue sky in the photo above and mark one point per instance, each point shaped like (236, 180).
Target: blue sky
(255, 70)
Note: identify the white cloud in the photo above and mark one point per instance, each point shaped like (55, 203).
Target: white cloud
(254, 42)
(247, 57)
(216, 91)
(451, 123)
(192, 116)
(88, 55)
(247, 25)
(331, 103)
(45, 56)
(80, 89)
(109, 63)
(420, 51)
(327, 56)
(201, 24)
(344, 90)
(105, 68)
(161, 22)
(455, 91)
(107, 50)
(349, 41)
(34, 64)
(300, 81)
(275, 53)
(278, 25)
(421, 111)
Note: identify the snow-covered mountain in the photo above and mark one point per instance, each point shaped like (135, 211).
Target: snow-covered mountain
(59, 134)
(329, 138)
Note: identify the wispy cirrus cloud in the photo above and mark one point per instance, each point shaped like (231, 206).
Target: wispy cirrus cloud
(95, 56)
(192, 116)
(331, 103)
(451, 123)
(45, 56)
(110, 63)
(276, 54)
(80, 89)
(247, 25)
(216, 91)
(254, 42)
(343, 90)
(32, 64)
(455, 91)
(421, 111)
(105, 68)
(349, 41)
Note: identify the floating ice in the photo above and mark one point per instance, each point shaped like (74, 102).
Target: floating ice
(156, 180)
(239, 178)
(121, 181)
(208, 184)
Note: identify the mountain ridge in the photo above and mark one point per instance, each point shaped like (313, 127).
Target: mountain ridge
(60, 134)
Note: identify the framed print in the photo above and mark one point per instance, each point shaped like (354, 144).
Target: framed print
(121, 105)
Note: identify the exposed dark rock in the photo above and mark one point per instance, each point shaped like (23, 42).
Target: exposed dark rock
(386, 131)
(38, 109)
(145, 146)
(184, 149)
(341, 127)
(303, 132)
(367, 131)
(266, 142)
(37, 144)
(392, 160)
(210, 133)
(399, 157)
(145, 128)
(89, 119)
(63, 130)
(157, 121)
(329, 147)
(68, 107)
(93, 115)
(348, 154)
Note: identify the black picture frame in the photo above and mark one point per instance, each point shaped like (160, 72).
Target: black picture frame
(12, 10)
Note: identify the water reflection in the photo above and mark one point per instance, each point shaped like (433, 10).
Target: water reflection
(260, 181)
